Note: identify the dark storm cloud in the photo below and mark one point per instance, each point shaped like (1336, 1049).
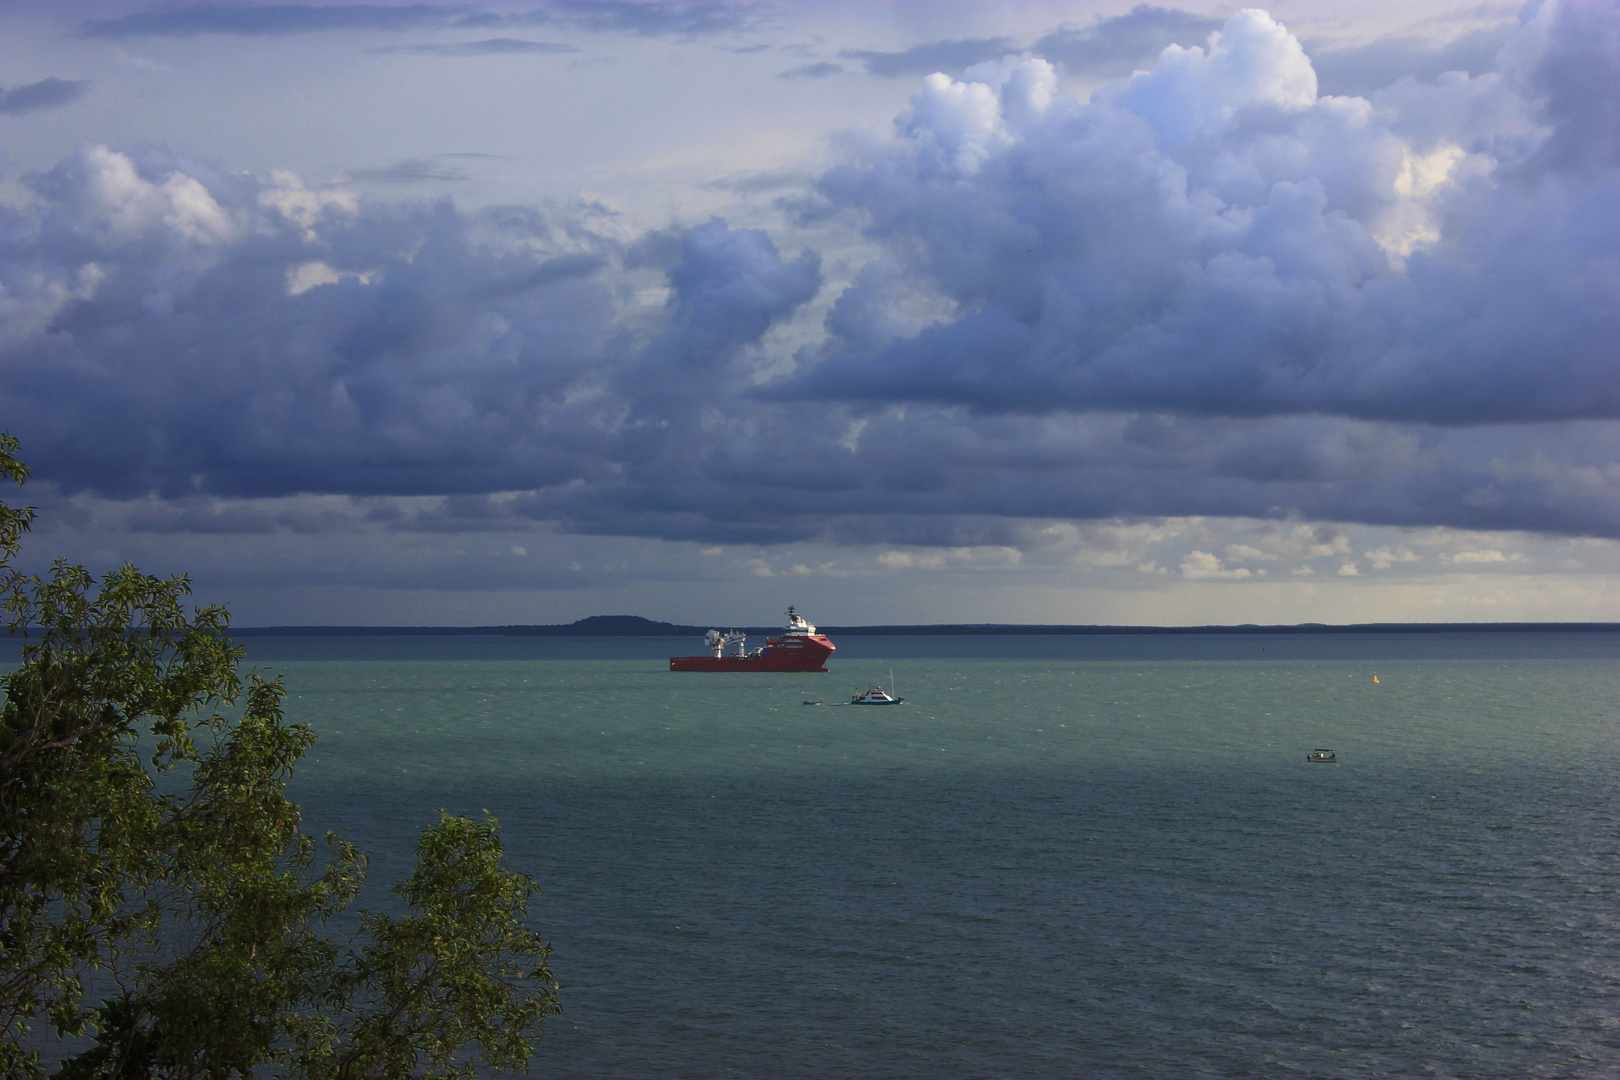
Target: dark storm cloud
(1208, 291)
(487, 47)
(263, 340)
(244, 339)
(728, 287)
(1579, 84)
(203, 516)
(45, 94)
(926, 477)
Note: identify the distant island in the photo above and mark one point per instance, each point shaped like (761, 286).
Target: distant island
(636, 626)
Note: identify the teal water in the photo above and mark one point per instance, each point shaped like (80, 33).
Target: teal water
(1060, 857)
(1055, 859)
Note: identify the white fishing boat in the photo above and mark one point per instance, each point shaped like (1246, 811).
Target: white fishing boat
(877, 695)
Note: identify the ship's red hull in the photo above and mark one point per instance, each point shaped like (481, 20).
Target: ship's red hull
(779, 654)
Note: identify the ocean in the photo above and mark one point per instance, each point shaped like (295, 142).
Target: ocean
(1059, 857)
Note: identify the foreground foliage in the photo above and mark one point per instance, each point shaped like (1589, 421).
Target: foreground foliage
(161, 912)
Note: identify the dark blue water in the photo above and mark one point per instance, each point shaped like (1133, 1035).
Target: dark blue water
(1040, 865)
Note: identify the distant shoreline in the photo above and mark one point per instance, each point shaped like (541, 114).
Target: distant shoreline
(635, 626)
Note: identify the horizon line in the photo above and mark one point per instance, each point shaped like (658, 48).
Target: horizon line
(639, 626)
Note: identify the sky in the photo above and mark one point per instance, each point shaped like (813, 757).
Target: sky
(467, 313)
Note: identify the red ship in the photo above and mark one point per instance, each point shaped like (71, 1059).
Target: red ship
(799, 648)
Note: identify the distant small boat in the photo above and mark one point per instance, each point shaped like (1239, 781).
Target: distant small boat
(877, 695)
(1321, 757)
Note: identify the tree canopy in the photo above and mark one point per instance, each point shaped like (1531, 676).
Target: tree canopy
(162, 913)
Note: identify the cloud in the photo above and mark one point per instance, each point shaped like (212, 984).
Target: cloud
(1203, 566)
(486, 47)
(756, 182)
(422, 332)
(45, 94)
(652, 18)
(813, 71)
(1117, 45)
(1298, 542)
(410, 171)
(1385, 557)
(1208, 292)
(1569, 56)
(190, 20)
(977, 558)
(1246, 553)
(1484, 555)
(1110, 46)
(1363, 69)
(656, 18)
(1213, 238)
(953, 55)
(729, 287)
(206, 517)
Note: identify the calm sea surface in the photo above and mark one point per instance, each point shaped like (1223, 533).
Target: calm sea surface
(1060, 857)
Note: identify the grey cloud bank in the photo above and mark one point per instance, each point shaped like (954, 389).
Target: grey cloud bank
(1210, 290)
(485, 47)
(1366, 69)
(1109, 46)
(657, 17)
(645, 17)
(934, 56)
(413, 171)
(44, 94)
(1117, 46)
(819, 70)
(189, 20)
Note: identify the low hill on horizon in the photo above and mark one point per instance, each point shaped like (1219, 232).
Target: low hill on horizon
(638, 626)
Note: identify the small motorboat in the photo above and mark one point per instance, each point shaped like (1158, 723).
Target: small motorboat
(1321, 757)
(877, 695)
